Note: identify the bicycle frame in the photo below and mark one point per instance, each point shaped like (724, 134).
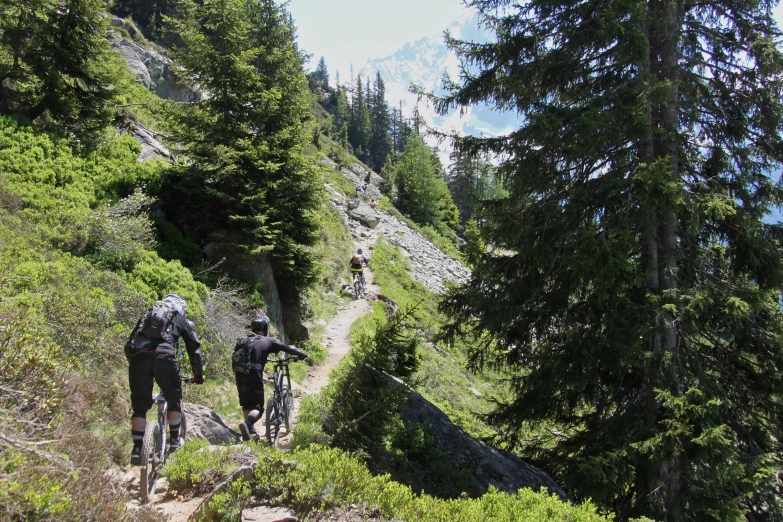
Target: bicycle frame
(153, 458)
(280, 406)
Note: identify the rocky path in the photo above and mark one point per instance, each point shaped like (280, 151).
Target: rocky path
(337, 343)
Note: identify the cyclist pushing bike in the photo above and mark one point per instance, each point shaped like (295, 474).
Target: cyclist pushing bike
(250, 356)
(358, 262)
(151, 351)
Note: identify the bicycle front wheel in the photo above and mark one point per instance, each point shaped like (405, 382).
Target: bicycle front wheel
(151, 461)
(288, 410)
(273, 421)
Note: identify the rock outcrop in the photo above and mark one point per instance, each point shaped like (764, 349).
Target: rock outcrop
(154, 71)
(427, 263)
(490, 466)
(151, 148)
(204, 423)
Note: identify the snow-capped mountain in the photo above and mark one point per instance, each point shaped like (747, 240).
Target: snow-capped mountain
(424, 63)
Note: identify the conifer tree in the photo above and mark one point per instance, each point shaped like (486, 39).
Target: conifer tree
(421, 192)
(632, 289)
(248, 185)
(359, 128)
(380, 145)
(342, 115)
(55, 63)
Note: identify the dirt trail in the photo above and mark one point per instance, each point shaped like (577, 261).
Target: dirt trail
(338, 344)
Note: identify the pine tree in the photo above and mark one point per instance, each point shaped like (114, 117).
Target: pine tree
(632, 289)
(55, 64)
(421, 192)
(380, 144)
(248, 186)
(359, 127)
(471, 180)
(342, 116)
(319, 79)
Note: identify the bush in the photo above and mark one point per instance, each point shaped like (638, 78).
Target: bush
(318, 478)
(199, 467)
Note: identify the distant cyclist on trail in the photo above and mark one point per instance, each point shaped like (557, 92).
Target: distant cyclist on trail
(358, 261)
(250, 356)
(151, 351)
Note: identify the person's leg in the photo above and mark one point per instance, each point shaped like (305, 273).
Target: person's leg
(251, 398)
(167, 376)
(140, 380)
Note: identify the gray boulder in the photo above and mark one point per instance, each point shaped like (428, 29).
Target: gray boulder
(204, 423)
(490, 466)
(365, 215)
(154, 71)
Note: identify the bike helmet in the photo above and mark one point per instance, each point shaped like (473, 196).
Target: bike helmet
(359, 251)
(260, 323)
(178, 301)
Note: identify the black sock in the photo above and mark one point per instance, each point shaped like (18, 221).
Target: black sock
(174, 429)
(138, 438)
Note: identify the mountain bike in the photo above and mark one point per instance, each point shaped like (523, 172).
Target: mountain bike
(358, 288)
(154, 450)
(280, 407)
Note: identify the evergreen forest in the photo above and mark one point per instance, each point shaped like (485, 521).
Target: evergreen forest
(577, 320)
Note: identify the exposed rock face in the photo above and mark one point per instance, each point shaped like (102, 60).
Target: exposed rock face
(365, 215)
(427, 264)
(150, 147)
(357, 174)
(154, 71)
(256, 269)
(204, 423)
(490, 466)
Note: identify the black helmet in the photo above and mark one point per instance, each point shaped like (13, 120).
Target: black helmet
(359, 251)
(260, 323)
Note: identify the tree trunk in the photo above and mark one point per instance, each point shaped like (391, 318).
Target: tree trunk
(669, 38)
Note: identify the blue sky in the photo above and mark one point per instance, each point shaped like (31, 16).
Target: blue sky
(351, 31)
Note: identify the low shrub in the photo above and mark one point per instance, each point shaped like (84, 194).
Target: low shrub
(319, 478)
(198, 467)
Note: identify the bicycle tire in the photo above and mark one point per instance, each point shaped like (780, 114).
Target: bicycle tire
(272, 421)
(151, 448)
(357, 287)
(288, 411)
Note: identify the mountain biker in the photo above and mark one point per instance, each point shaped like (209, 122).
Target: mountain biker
(250, 385)
(358, 261)
(155, 359)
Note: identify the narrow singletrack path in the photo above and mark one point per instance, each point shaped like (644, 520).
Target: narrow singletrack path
(337, 342)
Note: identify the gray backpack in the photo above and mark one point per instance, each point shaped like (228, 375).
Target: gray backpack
(157, 321)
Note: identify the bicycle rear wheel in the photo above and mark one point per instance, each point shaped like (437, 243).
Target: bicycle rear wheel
(151, 461)
(357, 287)
(272, 421)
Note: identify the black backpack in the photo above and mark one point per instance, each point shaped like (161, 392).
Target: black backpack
(241, 360)
(157, 321)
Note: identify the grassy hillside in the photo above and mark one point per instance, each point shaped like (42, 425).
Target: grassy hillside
(84, 251)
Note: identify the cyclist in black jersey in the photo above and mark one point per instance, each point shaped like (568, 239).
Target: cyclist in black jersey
(152, 359)
(250, 385)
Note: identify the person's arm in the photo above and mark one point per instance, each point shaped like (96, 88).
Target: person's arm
(193, 345)
(277, 346)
